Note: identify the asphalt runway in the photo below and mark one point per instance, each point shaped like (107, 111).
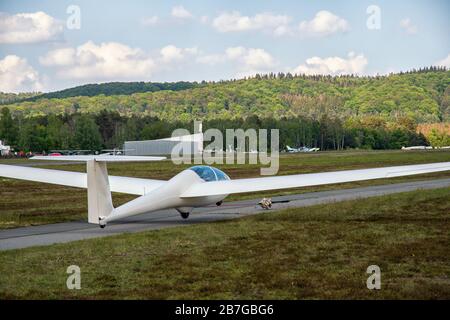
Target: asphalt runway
(79, 230)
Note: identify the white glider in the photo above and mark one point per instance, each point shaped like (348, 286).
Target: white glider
(194, 187)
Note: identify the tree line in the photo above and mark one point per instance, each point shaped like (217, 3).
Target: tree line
(109, 129)
(94, 89)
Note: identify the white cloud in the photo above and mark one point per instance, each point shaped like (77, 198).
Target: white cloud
(408, 26)
(113, 61)
(211, 59)
(181, 12)
(354, 64)
(234, 53)
(59, 57)
(150, 21)
(251, 59)
(324, 23)
(172, 53)
(235, 22)
(444, 62)
(29, 28)
(110, 60)
(248, 61)
(16, 75)
(247, 58)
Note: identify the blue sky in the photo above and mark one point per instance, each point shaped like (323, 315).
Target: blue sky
(213, 40)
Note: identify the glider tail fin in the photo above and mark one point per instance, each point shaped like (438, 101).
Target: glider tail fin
(99, 194)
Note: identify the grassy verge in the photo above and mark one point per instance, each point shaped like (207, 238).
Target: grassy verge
(25, 203)
(304, 253)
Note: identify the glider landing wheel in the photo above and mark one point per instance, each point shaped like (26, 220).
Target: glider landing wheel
(219, 203)
(100, 223)
(184, 215)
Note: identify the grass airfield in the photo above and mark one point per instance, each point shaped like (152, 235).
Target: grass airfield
(319, 252)
(27, 203)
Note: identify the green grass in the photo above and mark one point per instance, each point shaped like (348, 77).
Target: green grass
(319, 252)
(26, 203)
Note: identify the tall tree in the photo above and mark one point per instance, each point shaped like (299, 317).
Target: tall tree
(108, 123)
(58, 133)
(33, 137)
(8, 129)
(87, 135)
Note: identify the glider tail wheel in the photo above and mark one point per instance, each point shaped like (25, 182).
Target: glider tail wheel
(100, 222)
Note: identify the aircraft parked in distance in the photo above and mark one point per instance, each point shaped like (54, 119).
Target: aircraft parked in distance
(301, 149)
(424, 148)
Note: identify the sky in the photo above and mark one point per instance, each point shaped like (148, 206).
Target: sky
(52, 45)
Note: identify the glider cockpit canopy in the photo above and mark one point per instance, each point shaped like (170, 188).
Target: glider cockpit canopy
(209, 174)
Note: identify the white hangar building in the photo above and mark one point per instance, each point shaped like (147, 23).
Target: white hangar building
(191, 144)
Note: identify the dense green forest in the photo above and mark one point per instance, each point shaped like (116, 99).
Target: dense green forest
(423, 96)
(107, 89)
(328, 112)
(108, 129)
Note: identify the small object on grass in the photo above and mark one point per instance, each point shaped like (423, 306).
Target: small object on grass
(266, 203)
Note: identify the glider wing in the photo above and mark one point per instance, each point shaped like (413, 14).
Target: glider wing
(308, 180)
(136, 186)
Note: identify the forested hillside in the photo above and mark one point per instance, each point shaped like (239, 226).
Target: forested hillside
(107, 89)
(6, 98)
(423, 96)
(380, 112)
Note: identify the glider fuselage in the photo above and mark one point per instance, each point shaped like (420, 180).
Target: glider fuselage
(168, 196)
